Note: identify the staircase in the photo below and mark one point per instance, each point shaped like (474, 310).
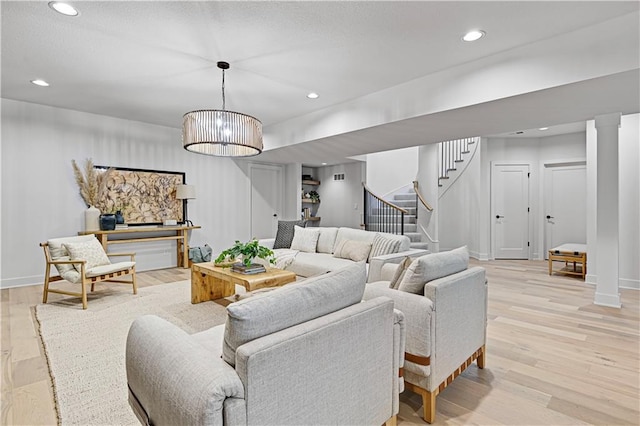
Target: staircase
(408, 201)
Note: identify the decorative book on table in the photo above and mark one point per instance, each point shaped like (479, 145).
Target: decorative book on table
(254, 268)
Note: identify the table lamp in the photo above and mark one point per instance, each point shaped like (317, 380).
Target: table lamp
(186, 192)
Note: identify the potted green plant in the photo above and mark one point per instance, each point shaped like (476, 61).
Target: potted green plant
(248, 251)
(315, 197)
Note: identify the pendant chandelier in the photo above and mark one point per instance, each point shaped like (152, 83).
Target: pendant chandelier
(220, 132)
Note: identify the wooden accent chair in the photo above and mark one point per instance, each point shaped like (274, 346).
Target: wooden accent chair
(445, 307)
(82, 260)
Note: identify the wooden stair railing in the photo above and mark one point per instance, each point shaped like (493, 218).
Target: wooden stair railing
(420, 198)
(381, 215)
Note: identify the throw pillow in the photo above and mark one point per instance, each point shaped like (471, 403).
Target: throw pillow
(91, 251)
(305, 239)
(400, 272)
(284, 236)
(327, 239)
(433, 266)
(383, 244)
(290, 305)
(358, 251)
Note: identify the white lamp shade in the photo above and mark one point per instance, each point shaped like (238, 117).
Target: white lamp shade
(185, 192)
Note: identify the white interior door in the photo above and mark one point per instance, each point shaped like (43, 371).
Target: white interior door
(510, 210)
(565, 205)
(266, 199)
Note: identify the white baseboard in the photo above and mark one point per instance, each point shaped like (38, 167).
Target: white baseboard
(628, 283)
(622, 282)
(22, 281)
(479, 256)
(610, 300)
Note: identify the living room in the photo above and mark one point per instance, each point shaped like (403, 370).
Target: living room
(41, 134)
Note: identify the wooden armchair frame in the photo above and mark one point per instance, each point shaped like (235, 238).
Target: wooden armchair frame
(111, 277)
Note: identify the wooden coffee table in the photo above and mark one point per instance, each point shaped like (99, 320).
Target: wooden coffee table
(209, 282)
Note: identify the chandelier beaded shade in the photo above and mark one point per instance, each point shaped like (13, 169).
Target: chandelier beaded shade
(220, 132)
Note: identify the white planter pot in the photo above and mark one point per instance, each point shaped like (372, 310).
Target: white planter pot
(92, 219)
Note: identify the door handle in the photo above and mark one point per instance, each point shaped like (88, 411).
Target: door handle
(549, 217)
(499, 217)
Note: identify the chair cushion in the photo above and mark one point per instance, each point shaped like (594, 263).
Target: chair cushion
(91, 251)
(284, 236)
(108, 269)
(305, 239)
(433, 266)
(59, 252)
(358, 251)
(384, 244)
(400, 273)
(326, 240)
(267, 313)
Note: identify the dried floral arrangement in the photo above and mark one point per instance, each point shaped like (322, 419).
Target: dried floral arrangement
(92, 184)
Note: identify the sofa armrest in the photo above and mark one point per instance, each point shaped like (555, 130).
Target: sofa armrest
(376, 263)
(173, 378)
(417, 310)
(267, 242)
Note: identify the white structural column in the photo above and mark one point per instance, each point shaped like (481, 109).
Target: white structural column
(607, 211)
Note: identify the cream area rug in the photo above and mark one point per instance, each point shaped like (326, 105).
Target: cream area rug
(85, 349)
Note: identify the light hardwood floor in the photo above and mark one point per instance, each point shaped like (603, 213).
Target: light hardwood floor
(553, 357)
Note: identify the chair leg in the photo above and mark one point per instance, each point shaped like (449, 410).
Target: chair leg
(481, 357)
(135, 283)
(393, 421)
(83, 283)
(93, 285)
(429, 406)
(45, 293)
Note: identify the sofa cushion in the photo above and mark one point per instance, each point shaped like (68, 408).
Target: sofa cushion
(305, 239)
(384, 244)
(312, 264)
(326, 240)
(358, 251)
(91, 251)
(433, 266)
(395, 281)
(353, 234)
(294, 304)
(284, 236)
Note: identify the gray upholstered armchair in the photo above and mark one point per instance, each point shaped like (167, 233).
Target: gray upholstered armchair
(445, 308)
(305, 353)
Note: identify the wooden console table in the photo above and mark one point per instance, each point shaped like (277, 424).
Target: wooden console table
(180, 235)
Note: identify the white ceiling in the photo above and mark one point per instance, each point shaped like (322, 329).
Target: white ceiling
(154, 61)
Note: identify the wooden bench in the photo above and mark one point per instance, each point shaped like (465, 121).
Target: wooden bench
(576, 253)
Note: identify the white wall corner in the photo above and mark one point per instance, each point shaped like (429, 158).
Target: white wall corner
(591, 279)
(610, 300)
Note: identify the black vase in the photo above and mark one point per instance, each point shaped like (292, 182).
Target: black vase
(119, 217)
(107, 222)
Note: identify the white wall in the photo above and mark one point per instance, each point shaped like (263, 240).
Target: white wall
(390, 170)
(341, 200)
(40, 198)
(460, 200)
(458, 220)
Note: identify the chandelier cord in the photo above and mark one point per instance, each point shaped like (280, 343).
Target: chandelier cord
(223, 97)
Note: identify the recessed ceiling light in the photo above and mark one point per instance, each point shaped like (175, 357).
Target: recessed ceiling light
(543, 128)
(64, 8)
(313, 95)
(39, 82)
(473, 35)
(324, 164)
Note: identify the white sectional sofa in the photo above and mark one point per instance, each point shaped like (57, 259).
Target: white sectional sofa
(338, 247)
